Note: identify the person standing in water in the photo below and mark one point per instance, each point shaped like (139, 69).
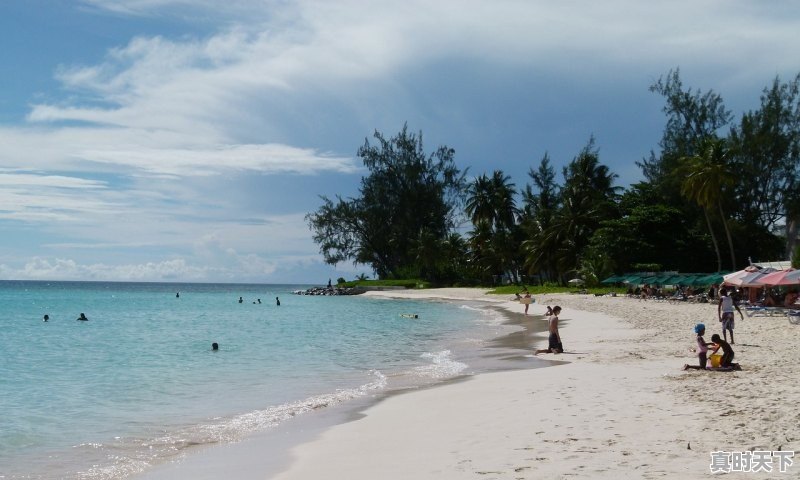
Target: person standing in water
(278, 301)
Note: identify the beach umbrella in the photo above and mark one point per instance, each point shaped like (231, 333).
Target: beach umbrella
(714, 278)
(671, 280)
(633, 279)
(752, 279)
(730, 278)
(735, 277)
(681, 280)
(613, 279)
(782, 277)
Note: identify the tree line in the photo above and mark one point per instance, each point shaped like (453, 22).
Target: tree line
(715, 193)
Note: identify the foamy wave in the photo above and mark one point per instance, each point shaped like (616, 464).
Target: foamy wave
(132, 455)
(489, 316)
(442, 366)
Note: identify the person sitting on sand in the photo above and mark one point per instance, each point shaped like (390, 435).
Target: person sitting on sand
(554, 340)
(727, 352)
(790, 299)
(702, 349)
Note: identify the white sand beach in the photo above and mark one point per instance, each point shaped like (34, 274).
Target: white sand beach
(621, 407)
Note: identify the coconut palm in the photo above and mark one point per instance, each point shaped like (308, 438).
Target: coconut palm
(705, 178)
(492, 209)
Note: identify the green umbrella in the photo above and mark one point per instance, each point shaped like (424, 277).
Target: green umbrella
(710, 279)
(632, 279)
(672, 280)
(613, 279)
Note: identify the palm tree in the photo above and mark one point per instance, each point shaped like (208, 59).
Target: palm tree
(479, 205)
(492, 209)
(706, 176)
(588, 197)
(503, 204)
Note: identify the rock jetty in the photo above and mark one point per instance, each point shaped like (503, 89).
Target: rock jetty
(330, 291)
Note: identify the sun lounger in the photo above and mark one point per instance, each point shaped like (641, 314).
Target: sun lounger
(759, 311)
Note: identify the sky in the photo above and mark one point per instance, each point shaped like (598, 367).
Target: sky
(186, 140)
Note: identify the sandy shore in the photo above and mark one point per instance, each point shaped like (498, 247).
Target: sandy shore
(620, 408)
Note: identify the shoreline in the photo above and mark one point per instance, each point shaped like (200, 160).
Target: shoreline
(248, 458)
(615, 403)
(620, 406)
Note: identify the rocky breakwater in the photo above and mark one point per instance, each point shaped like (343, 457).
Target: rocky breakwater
(331, 291)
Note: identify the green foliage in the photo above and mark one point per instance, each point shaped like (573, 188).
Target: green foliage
(405, 283)
(587, 198)
(407, 207)
(492, 209)
(646, 267)
(699, 186)
(340, 281)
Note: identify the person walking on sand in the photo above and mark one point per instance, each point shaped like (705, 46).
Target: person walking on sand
(554, 340)
(702, 349)
(725, 312)
(526, 300)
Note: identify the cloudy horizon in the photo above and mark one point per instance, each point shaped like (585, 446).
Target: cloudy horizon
(176, 140)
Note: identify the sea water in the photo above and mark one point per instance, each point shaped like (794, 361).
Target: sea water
(139, 384)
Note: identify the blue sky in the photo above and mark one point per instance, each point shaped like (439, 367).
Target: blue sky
(185, 140)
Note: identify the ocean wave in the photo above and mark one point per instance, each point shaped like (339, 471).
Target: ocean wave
(442, 366)
(134, 455)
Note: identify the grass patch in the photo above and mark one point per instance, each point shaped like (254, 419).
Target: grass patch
(543, 289)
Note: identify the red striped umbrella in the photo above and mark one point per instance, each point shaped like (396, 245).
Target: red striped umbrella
(782, 277)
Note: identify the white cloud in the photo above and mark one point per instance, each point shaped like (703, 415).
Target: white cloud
(140, 152)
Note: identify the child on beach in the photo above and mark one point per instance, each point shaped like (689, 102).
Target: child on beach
(727, 353)
(702, 349)
(554, 340)
(725, 312)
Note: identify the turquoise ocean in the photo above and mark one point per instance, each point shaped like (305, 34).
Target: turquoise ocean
(138, 385)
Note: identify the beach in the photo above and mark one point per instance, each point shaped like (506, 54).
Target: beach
(616, 404)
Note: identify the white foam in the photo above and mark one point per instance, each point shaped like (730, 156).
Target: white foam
(442, 366)
(134, 455)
